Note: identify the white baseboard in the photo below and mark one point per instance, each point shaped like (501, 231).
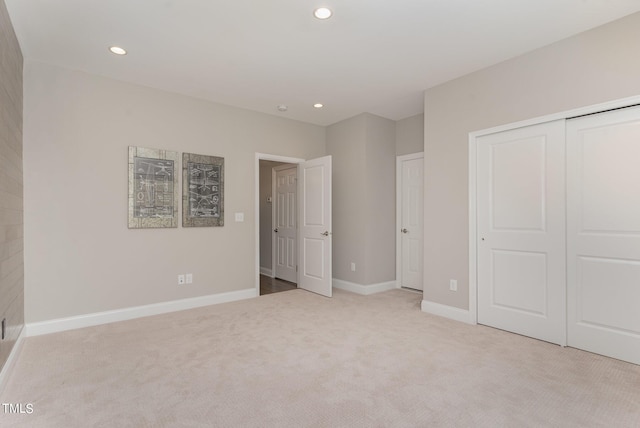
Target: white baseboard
(266, 271)
(450, 312)
(364, 289)
(88, 320)
(11, 361)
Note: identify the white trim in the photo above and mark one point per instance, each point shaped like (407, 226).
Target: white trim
(256, 168)
(450, 312)
(266, 271)
(596, 108)
(274, 209)
(98, 318)
(473, 234)
(363, 289)
(399, 160)
(11, 361)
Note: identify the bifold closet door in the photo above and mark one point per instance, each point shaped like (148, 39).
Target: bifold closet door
(521, 231)
(603, 233)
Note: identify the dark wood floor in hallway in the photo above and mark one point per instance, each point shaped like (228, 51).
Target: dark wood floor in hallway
(274, 285)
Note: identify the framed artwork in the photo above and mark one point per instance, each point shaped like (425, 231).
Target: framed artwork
(153, 188)
(202, 190)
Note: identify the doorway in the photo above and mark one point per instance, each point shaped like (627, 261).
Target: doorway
(277, 216)
(314, 240)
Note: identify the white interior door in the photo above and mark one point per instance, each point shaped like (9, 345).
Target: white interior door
(603, 233)
(315, 226)
(521, 231)
(410, 215)
(285, 219)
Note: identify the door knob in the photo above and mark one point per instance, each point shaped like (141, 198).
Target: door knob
(275, 230)
(325, 233)
(404, 231)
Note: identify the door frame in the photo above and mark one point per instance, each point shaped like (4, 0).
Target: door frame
(472, 317)
(256, 192)
(274, 209)
(399, 160)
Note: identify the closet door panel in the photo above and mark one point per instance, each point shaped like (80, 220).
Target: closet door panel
(603, 233)
(521, 215)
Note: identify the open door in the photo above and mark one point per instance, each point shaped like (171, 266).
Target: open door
(315, 226)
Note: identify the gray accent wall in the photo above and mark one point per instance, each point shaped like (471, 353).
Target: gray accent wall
(593, 67)
(363, 151)
(11, 187)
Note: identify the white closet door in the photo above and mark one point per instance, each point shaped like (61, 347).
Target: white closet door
(603, 233)
(521, 231)
(411, 220)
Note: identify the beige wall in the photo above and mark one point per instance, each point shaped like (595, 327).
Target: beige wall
(11, 185)
(593, 67)
(346, 145)
(363, 151)
(380, 190)
(266, 213)
(79, 255)
(410, 135)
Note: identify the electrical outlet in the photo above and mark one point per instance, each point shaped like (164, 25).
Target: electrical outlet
(353, 267)
(189, 278)
(180, 279)
(453, 285)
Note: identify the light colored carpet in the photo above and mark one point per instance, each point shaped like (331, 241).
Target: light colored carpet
(295, 359)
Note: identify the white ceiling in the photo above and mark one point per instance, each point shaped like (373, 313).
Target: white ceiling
(375, 56)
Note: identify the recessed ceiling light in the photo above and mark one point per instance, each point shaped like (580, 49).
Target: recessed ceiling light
(318, 105)
(117, 50)
(282, 107)
(322, 13)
